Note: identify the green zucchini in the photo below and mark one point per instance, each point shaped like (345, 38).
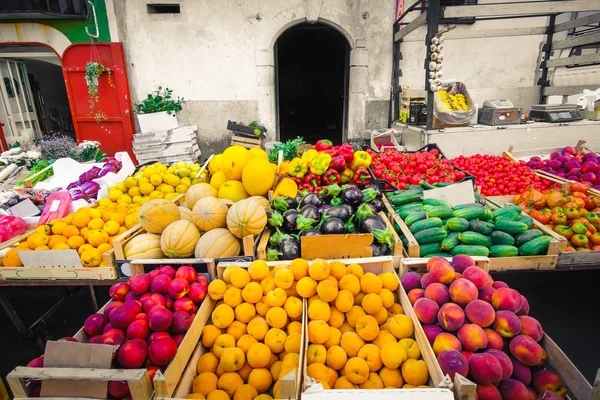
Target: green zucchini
(430, 235)
(440, 212)
(485, 228)
(429, 248)
(487, 215)
(408, 211)
(474, 238)
(528, 235)
(450, 241)
(470, 250)
(502, 238)
(426, 224)
(506, 210)
(512, 227)
(508, 216)
(469, 213)
(437, 203)
(537, 246)
(414, 217)
(526, 219)
(406, 198)
(468, 205)
(503, 250)
(457, 224)
(410, 206)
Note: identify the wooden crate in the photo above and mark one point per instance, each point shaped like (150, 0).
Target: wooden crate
(245, 141)
(138, 380)
(387, 136)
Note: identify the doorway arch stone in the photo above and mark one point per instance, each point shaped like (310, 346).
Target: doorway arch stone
(33, 33)
(312, 11)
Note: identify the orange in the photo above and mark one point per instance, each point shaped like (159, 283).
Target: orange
(355, 270)
(391, 377)
(258, 328)
(233, 297)
(210, 333)
(104, 247)
(62, 246)
(318, 331)
(260, 379)
(292, 343)
(239, 277)
(344, 383)
(56, 239)
(299, 268)
(351, 283)
(245, 392)
(222, 316)
(252, 292)
(337, 269)
(336, 318)
(389, 281)
(318, 269)
(327, 290)
(336, 357)
(293, 307)
(58, 227)
(354, 314)
(306, 287)
(95, 223)
(275, 339)
(384, 337)
(351, 342)
(237, 329)
(284, 278)
(393, 355)
(37, 239)
(230, 382)
(372, 355)
(415, 372)
(276, 317)
(245, 312)
(387, 297)
(276, 297)
(232, 359)
(367, 327)
(370, 283)
(81, 219)
(195, 396)
(372, 382)
(319, 310)
(111, 228)
(372, 303)
(411, 347)
(245, 342)
(97, 237)
(356, 370)
(119, 217)
(70, 230)
(207, 362)
(75, 242)
(205, 383)
(294, 326)
(259, 355)
(401, 326)
(216, 289)
(258, 271)
(42, 247)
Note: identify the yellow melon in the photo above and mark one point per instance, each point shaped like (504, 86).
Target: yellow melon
(144, 246)
(179, 239)
(156, 214)
(209, 213)
(198, 191)
(246, 217)
(216, 244)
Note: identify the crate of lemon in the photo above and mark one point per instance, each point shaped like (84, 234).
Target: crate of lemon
(259, 344)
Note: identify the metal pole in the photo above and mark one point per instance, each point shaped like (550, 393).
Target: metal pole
(433, 23)
(547, 53)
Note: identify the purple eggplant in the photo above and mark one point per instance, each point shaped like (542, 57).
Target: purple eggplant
(310, 232)
(377, 205)
(352, 195)
(340, 212)
(333, 226)
(289, 220)
(310, 211)
(380, 249)
(349, 208)
(375, 225)
(289, 249)
(324, 208)
(311, 199)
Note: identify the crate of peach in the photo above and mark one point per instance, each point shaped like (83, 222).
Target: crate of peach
(154, 319)
(482, 329)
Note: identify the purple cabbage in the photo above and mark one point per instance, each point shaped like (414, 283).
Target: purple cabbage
(76, 193)
(73, 185)
(106, 169)
(90, 189)
(89, 175)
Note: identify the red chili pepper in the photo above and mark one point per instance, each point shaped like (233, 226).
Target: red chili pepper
(305, 187)
(362, 177)
(331, 176)
(323, 145)
(313, 180)
(338, 163)
(347, 152)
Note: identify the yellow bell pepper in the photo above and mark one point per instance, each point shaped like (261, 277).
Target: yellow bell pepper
(361, 159)
(309, 155)
(297, 167)
(346, 175)
(287, 188)
(283, 168)
(320, 164)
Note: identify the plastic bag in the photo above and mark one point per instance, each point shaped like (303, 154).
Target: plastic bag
(446, 113)
(11, 226)
(57, 206)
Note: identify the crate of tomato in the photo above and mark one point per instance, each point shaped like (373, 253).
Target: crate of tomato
(396, 169)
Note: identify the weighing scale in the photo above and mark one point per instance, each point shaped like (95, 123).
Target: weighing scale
(499, 112)
(555, 112)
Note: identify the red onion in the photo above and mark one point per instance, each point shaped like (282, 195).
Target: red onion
(590, 166)
(588, 176)
(569, 165)
(569, 150)
(574, 172)
(554, 164)
(554, 155)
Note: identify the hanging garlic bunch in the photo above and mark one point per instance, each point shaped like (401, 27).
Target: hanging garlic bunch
(435, 62)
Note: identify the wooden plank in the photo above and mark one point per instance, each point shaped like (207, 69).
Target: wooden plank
(577, 40)
(567, 90)
(261, 248)
(37, 273)
(585, 59)
(577, 259)
(493, 33)
(248, 245)
(414, 24)
(588, 20)
(532, 8)
(414, 249)
(575, 381)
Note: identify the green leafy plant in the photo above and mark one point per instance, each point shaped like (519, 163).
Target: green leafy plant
(160, 100)
(93, 71)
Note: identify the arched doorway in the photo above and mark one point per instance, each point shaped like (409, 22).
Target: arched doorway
(312, 74)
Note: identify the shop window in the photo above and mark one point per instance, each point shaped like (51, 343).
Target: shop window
(172, 8)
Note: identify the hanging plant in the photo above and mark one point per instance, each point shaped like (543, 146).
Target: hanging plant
(93, 71)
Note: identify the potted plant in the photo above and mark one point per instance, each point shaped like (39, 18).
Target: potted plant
(157, 112)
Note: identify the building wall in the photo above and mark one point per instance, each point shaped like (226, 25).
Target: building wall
(208, 55)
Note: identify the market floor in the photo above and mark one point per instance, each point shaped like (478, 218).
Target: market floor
(564, 302)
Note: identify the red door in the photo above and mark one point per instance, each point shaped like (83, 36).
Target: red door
(114, 130)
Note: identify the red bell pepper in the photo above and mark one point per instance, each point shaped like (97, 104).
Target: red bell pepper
(297, 180)
(317, 189)
(338, 163)
(347, 152)
(323, 145)
(313, 180)
(305, 188)
(331, 176)
(362, 177)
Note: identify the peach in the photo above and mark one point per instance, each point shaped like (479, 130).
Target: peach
(178, 338)
(153, 300)
(36, 362)
(134, 305)
(507, 367)
(547, 380)
(169, 302)
(118, 389)
(178, 288)
(524, 307)
(426, 280)
(415, 294)
(485, 368)
(411, 280)
(495, 341)
(186, 272)
(512, 389)
(114, 337)
(132, 296)
(488, 392)
(472, 337)
(446, 341)
(531, 327)
(160, 284)
(507, 324)
(185, 304)
(499, 284)
(138, 329)
(118, 291)
(162, 351)
(476, 275)
(181, 322)
(132, 354)
(160, 318)
(152, 274)
(526, 350)
(95, 339)
(467, 354)
(451, 316)
(167, 270)
(201, 279)
(546, 395)
(431, 332)
(440, 269)
(140, 283)
(110, 307)
(521, 372)
(70, 339)
(533, 395)
(481, 313)
(198, 291)
(158, 335)
(452, 362)
(463, 292)
(122, 317)
(486, 293)
(507, 299)
(462, 262)
(438, 293)
(426, 310)
(142, 316)
(94, 324)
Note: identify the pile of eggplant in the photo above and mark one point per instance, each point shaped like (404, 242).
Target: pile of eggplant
(333, 210)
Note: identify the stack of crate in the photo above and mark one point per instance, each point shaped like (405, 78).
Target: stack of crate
(167, 147)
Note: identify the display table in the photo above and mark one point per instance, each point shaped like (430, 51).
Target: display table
(494, 140)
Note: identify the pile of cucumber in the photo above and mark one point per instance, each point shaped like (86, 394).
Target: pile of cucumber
(470, 229)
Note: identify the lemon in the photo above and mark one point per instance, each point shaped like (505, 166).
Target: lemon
(180, 164)
(185, 181)
(183, 172)
(160, 167)
(61, 246)
(146, 188)
(94, 213)
(257, 152)
(194, 181)
(136, 199)
(131, 220)
(171, 196)
(91, 258)
(143, 180)
(130, 182)
(104, 202)
(124, 198)
(138, 175)
(156, 179)
(58, 227)
(104, 247)
(181, 188)
(134, 191)
(84, 247)
(97, 237)
(114, 194)
(171, 179)
(171, 170)
(157, 195)
(149, 171)
(121, 186)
